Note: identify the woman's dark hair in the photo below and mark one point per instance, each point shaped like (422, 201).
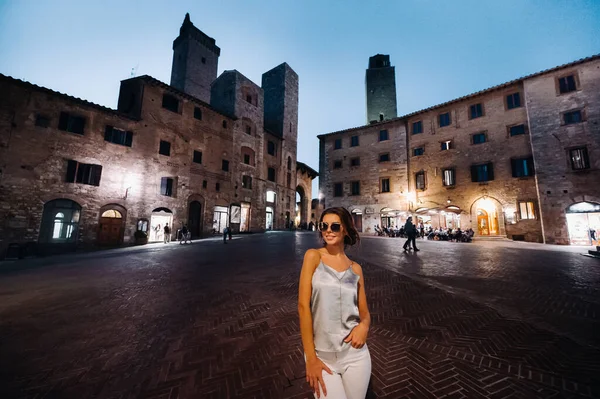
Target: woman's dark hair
(352, 236)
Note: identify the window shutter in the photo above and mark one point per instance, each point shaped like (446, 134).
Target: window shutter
(490, 167)
(474, 173)
(71, 170)
(169, 187)
(514, 164)
(163, 185)
(96, 173)
(63, 121)
(108, 133)
(128, 138)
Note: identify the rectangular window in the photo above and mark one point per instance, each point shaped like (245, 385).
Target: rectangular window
(445, 119)
(204, 184)
(479, 138)
(355, 162)
(247, 182)
(224, 124)
(289, 180)
(417, 127)
(247, 159)
(448, 177)
(164, 148)
(170, 103)
(572, 117)
(420, 180)
(516, 130)
(355, 188)
(198, 113)
(385, 185)
(166, 186)
(522, 167)
(197, 156)
(337, 164)
(513, 101)
(482, 173)
(225, 165)
(383, 135)
(446, 145)
(526, 210)
(271, 148)
(337, 144)
(249, 98)
(418, 151)
(249, 129)
(218, 187)
(384, 157)
(338, 189)
(271, 174)
(71, 123)
(567, 84)
(42, 121)
(83, 173)
(476, 111)
(354, 141)
(579, 158)
(118, 136)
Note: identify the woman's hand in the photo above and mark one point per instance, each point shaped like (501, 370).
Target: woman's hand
(314, 375)
(358, 336)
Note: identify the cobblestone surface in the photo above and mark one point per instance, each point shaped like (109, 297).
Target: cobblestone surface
(213, 321)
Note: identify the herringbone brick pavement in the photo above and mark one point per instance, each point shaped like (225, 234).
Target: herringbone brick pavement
(202, 322)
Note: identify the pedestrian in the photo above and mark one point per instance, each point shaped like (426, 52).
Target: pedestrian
(411, 232)
(184, 235)
(334, 317)
(167, 235)
(225, 232)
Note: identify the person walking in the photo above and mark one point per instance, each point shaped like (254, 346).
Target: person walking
(333, 312)
(411, 233)
(167, 233)
(184, 235)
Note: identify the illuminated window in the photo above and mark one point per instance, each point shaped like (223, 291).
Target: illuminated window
(526, 210)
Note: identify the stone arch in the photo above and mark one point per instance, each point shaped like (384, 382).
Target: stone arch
(111, 230)
(245, 150)
(59, 229)
(487, 216)
(196, 210)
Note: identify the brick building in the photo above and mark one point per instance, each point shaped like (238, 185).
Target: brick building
(518, 160)
(205, 151)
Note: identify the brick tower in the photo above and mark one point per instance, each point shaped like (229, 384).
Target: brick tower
(380, 84)
(195, 61)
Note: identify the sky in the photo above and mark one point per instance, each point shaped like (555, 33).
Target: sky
(441, 49)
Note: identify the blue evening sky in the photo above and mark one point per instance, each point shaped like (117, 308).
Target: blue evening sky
(441, 49)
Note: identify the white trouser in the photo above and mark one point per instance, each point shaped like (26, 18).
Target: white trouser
(351, 373)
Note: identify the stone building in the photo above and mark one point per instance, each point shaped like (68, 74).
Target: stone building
(380, 85)
(304, 211)
(205, 151)
(518, 160)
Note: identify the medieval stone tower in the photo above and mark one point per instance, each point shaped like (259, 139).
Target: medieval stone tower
(195, 61)
(380, 85)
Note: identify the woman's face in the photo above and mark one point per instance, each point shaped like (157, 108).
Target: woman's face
(330, 223)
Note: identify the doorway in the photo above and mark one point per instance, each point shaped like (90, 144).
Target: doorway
(111, 228)
(220, 218)
(583, 223)
(245, 217)
(269, 219)
(195, 219)
(159, 219)
(357, 219)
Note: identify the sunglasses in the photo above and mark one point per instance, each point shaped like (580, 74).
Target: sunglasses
(335, 227)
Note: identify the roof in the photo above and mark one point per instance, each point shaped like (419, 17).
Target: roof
(305, 168)
(156, 82)
(472, 95)
(65, 96)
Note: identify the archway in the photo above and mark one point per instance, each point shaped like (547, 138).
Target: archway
(583, 223)
(60, 224)
(301, 218)
(111, 226)
(195, 218)
(486, 216)
(159, 219)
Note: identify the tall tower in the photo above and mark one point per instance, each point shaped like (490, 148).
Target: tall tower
(195, 61)
(380, 84)
(280, 86)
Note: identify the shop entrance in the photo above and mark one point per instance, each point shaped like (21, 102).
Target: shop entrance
(220, 219)
(357, 219)
(583, 222)
(111, 228)
(487, 218)
(269, 218)
(245, 217)
(159, 219)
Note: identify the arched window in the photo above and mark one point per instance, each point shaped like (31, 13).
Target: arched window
(112, 213)
(59, 221)
(289, 162)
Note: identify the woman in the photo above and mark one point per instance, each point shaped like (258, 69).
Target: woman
(334, 318)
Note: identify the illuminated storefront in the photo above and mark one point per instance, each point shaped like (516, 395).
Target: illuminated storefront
(583, 221)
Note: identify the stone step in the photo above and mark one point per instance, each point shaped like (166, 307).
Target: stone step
(490, 238)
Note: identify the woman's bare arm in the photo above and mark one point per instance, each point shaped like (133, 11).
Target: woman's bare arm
(312, 257)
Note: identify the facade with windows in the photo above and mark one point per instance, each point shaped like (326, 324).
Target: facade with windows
(75, 173)
(519, 160)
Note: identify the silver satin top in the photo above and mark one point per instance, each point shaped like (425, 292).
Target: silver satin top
(334, 307)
